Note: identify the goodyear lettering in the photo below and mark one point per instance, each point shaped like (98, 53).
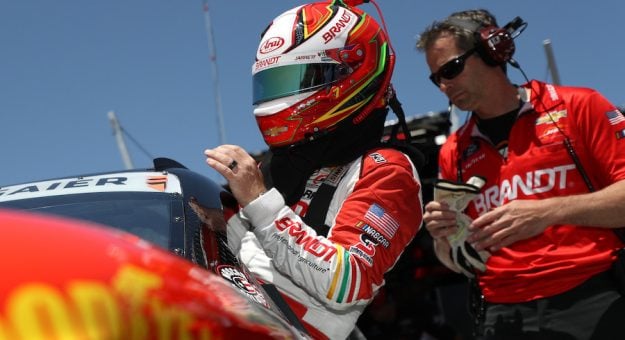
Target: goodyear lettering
(336, 29)
(311, 244)
(534, 182)
(96, 310)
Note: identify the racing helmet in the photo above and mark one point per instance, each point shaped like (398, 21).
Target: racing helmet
(318, 65)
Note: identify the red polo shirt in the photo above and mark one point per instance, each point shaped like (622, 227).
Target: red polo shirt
(538, 166)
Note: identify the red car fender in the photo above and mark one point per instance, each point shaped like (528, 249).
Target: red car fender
(64, 278)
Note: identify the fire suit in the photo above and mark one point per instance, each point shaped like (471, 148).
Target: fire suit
(537, 165)
(328, 280)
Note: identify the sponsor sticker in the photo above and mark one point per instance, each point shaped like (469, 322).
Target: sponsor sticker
(377, 158)
(240, 281)
(551, 117)
(374, 234)
(271, 44)
(113, 182)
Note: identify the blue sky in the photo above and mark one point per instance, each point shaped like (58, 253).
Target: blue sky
(65, 64)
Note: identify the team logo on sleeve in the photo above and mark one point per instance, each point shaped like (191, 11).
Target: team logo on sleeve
(379, 219)
(377, 158)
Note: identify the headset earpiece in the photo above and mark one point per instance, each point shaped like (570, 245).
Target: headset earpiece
(493, 44)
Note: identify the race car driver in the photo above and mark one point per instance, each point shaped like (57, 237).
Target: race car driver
(336, 207)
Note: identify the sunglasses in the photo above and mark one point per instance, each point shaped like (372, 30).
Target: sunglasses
(451, 69)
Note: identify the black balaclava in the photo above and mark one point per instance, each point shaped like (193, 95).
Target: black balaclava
(290, 167)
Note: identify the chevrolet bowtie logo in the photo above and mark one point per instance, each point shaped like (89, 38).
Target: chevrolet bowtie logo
(274, 131)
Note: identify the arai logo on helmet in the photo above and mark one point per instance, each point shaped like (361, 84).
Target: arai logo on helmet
(271, 44)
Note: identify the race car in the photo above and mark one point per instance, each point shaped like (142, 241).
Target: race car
(138, 254)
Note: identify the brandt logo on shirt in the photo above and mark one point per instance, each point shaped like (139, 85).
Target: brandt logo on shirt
(320, 248)
(527, 185)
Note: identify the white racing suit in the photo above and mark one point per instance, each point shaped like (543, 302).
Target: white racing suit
(374, 213)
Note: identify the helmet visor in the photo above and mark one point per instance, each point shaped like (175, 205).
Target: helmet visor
(288, 80)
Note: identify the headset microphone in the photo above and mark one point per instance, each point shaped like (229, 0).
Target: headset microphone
(515, 27)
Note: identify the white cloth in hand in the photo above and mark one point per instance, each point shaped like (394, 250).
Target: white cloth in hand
(458, 196)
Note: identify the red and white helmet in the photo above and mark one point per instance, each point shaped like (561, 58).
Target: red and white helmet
(318, 65)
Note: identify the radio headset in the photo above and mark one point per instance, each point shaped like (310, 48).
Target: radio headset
(495, 45)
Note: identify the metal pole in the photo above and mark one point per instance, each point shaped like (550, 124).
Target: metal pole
(551, 62)
(117, 131)
(213, 59)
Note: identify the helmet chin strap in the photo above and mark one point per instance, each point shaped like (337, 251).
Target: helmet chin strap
(406, 145)
(395, 105)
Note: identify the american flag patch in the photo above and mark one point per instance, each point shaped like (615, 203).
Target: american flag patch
(377, 217)
(615, 117)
